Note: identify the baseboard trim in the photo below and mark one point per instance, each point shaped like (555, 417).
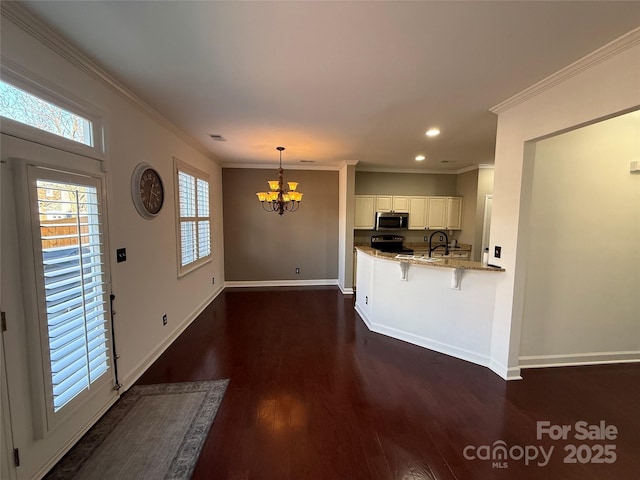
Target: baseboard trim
(445, 348)
(282, 283)
(428, 343)
(345, 290)
(142, 367)
(575, 359)
(507, 373)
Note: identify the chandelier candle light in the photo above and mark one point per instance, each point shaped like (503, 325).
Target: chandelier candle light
(278, 199)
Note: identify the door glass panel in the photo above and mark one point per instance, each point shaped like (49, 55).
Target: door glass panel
(74, 286)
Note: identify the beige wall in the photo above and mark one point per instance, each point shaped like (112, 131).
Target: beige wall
(146, 285)
(583, 276)
(264, 246)
(597, 87)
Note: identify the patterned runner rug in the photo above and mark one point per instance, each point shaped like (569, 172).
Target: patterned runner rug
(151, 432)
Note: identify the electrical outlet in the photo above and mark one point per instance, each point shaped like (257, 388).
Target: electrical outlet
(441, 238)
(121, 255)
(297, 270)
(426, 238)
(497, 251)
(213, 280)
(164, 319)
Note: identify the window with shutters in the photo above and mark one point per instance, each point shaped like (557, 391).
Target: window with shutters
(193, 218)
(68, 239)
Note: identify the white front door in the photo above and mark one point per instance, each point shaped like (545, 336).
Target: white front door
(55, 288)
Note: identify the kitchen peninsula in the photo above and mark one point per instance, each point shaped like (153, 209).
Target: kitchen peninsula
(442, 304)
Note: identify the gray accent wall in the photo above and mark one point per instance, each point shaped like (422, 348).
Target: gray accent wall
(264, 246)
(474, 186)
(384, 183)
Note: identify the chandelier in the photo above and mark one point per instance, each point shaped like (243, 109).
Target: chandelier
(278, 199)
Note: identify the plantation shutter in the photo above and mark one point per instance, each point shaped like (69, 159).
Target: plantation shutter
(187, 188)
(194, 219)
(74, 288)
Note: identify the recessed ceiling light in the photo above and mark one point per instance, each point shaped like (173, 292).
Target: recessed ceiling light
(433, 132)
(420, 158)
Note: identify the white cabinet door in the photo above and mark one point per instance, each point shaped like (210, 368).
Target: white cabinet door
(400, 203)
(384, 203)
(392, 203)
(417, 213)
(454, 213)
(436, 213)
(444, 213)
(365, 212)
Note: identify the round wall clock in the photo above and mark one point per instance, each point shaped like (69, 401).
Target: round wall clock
(147, 190)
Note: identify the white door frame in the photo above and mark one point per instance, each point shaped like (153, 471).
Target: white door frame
(39, 451)
(486, 222)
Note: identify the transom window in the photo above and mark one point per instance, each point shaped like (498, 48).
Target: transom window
(194, 220)
(28, 109)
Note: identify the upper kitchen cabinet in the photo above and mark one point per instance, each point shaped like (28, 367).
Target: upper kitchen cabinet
(365, 212)
(392, 203)
(444, 213)
(417, 213)
(454, 213)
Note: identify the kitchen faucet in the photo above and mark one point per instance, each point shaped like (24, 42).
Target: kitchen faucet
(446, 244)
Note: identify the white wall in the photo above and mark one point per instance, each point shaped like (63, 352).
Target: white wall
(146, 285)
(581, 298)
(602, 85)
(346, 208)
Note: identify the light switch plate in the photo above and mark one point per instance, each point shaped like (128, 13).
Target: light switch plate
(497, 251)
(121, 255)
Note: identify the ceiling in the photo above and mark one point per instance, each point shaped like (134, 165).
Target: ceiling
(336, 81)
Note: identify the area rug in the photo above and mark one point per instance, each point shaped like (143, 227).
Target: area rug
(151, 432)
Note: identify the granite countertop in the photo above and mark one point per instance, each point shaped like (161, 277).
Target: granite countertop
(426, 261)
(424, 246)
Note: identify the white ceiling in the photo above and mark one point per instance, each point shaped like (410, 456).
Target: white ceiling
(335, 81)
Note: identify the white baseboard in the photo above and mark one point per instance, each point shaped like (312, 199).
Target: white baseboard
(440, 347)
(281, 283)
(575, 359)
(363, 316)
(142, 367)
(503, 371)
(345, 290)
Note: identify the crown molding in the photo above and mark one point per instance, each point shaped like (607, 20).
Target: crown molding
(285, 166)
(292, 166)
(405, 170)
(626, 41)
(481, 166)
(36, 28)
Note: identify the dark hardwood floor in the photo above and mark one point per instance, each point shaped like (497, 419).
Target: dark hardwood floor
(314, 395)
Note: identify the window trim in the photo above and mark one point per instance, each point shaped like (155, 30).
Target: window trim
(181, 166)
(20, 78)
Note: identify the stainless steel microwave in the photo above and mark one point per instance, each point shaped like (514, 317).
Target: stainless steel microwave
(392, 221)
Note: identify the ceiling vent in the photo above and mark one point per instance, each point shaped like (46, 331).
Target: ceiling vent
(218, 138)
